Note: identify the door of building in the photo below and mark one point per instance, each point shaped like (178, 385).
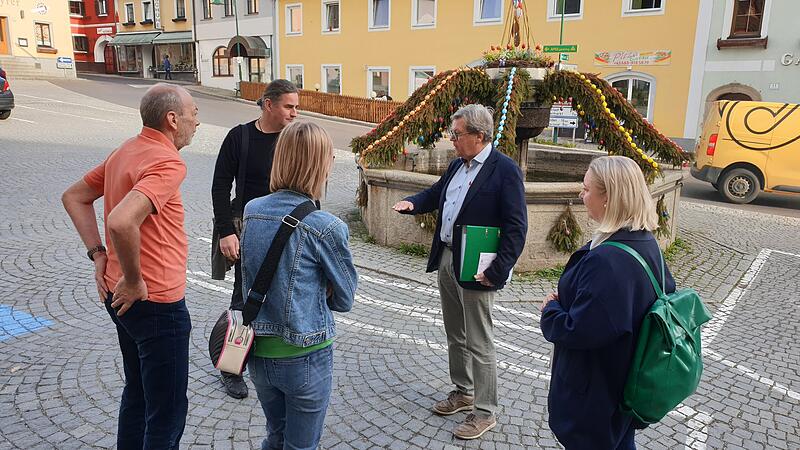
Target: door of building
(109, 56)
(4, 36)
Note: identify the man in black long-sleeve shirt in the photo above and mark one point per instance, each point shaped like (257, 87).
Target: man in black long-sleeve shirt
(278, 108)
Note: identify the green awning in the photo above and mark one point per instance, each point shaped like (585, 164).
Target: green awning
(134, 38)
(174, 37)
(249, 47)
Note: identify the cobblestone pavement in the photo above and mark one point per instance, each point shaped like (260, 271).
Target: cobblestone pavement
(61, 374)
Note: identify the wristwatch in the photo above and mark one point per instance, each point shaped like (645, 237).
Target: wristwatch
(94, 250)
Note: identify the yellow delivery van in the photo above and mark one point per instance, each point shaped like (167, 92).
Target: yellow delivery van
(749, 147)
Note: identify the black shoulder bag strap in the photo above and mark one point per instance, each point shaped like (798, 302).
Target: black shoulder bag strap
(258, 292)
(238, 207)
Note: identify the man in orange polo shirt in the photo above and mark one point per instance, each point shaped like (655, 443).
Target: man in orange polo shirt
(141, 277)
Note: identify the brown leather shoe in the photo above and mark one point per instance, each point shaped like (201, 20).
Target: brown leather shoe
(474, 426)
(456, 401)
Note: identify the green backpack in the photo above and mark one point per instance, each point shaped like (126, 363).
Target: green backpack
(667, 363)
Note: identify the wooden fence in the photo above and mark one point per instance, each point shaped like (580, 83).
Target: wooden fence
(356, 108)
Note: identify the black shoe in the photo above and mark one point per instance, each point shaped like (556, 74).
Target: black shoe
(234, 385)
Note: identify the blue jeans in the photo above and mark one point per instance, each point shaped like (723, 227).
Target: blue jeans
(294, 394)
(154, 339)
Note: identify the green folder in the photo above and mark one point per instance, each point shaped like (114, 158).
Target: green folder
(477, 240)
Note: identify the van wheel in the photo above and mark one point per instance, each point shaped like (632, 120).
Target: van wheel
(5, 114)
(739, 186)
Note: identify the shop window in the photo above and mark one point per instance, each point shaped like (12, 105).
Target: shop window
(295, 75)
(127, 59)
(424, 14)
(101, 6)
(378, 79)
(294, 19)
(257, 68)
(333, 79)
(147, 13)
(222, 62)
(76, 8)
(43, 38)
(130, 18)
(420, 76)
(80, 43)
(180, 9)
(488, 11)
(330, 20)
(252, 6)
(637, 91)
(379, 13)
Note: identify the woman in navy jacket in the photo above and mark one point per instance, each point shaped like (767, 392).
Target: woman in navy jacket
(595, 317)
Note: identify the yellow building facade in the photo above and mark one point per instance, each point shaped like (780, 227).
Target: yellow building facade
(388, 47)
(149, 30)
(35, 39)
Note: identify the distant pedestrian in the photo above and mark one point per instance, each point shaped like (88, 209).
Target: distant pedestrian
(595, 317)
(141, 277)
(167, 68)
(292, 361)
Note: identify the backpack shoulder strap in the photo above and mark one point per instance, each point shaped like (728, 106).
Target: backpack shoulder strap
(638, 257)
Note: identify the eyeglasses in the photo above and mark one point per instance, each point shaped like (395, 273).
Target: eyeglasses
(454, 135)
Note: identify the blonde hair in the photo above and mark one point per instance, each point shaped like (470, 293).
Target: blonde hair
(629, 203)
(302, 162)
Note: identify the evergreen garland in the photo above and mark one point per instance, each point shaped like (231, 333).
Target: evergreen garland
(620, 128)
(566, 233)
(663, 218)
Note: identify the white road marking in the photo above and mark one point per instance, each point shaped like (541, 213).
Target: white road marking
(64, 114)
(140, 86)
(771, 384)
(50, 100)
(22, 120)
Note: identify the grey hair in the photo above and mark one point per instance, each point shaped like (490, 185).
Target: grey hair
(477, 119)
(276, 89)
(157, 102)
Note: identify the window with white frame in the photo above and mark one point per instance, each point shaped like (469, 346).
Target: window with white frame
(252, 6)
(637, 90)
(330, 15)
(129, 16)
(147, 12)
(80, 43)
(207, 14)
(636, 6)
(418, 76)
(378, 82)
(294, 18)
(424, 13)
(76, 8)
(571, 8)
(748, 16)
(101, 7)
(43, 37)
(222, 63)
(488, 11)
(180, 9)
(332, 76)
(229, 8)
(294, 73)
(379, 13)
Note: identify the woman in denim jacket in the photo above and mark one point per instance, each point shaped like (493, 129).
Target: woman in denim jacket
(292, 362)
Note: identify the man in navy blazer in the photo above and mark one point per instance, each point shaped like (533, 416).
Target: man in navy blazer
(480, 187)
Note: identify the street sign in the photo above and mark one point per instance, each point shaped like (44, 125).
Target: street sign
(562, 122)
(64, 62)
(563, 57)
(563, 116)
(565, 48)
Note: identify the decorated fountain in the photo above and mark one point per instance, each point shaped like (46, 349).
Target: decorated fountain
(400, 157)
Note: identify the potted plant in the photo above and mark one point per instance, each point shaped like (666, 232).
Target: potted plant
(498, 59)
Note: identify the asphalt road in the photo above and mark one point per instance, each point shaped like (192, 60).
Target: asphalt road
(225, 113)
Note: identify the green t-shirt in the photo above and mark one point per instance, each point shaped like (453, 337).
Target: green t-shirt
(274, 347)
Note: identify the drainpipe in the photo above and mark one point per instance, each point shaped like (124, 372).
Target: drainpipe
(196, 45)
(273, 45)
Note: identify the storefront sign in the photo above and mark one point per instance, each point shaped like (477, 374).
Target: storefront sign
(105, 30)
(634, 58)
(790, 59)
(157, 13)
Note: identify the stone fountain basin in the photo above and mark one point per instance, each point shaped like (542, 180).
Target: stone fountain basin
(545, 200)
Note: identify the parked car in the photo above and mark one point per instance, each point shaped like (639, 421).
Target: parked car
(749, 147)
(6, 98)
